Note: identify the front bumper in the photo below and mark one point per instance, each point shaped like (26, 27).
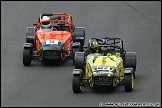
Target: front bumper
(103, 80)
(52, 52)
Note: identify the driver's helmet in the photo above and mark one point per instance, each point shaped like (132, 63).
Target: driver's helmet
(94, 48)
(46, 24)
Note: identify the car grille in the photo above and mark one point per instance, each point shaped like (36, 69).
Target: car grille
(102, 80)
(51, 54)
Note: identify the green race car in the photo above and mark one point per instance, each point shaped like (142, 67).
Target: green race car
(104, 63)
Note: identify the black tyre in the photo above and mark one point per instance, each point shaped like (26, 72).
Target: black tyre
(75, 49)
(31, 39)
(27, 57)
(130, 61)
(30, 35)
(79, 35)
(76, 84)
(128, 82)
(79, 60)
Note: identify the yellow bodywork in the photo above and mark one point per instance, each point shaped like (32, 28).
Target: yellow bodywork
(109, 60)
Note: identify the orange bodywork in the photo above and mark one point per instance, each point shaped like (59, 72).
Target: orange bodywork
(63, 36)
(60, 35)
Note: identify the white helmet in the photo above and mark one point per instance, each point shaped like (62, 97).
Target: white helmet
(46, 24)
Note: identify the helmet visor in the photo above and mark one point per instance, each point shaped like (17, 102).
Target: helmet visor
(45, 23)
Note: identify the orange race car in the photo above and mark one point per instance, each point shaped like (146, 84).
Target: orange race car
(54, 37)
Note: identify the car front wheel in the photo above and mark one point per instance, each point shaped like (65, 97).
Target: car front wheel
(27, 57)
(76, 84)
(129, 82)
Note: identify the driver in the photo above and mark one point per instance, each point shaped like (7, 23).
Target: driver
(95, 48)
(46, 26)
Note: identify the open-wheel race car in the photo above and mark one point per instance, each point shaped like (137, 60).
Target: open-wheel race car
(104, 63)
(54, 37)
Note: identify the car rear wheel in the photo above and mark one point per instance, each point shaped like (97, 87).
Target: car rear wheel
(30, 35)
(131, 61)
(75, 49)
(27, 57)
(128, 82)
(76, 84)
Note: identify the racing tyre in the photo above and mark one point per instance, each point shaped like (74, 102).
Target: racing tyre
(31, 39)
(128, 82)
(76, 84)
(130, 61)
(79, 60)
(27, 57)
(30, 35)
(75, 49)
(79, 35)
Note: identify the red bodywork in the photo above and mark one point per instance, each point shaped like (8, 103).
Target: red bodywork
(60, 35)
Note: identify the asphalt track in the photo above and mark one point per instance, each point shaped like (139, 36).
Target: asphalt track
(137, 23)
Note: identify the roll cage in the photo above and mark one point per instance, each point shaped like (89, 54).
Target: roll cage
(61, 21)
(106, 45)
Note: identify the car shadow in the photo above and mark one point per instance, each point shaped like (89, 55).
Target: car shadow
(102, 89)
(52, 63)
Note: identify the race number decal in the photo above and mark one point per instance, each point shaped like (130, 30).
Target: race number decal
(52, 42)
(104, 68)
